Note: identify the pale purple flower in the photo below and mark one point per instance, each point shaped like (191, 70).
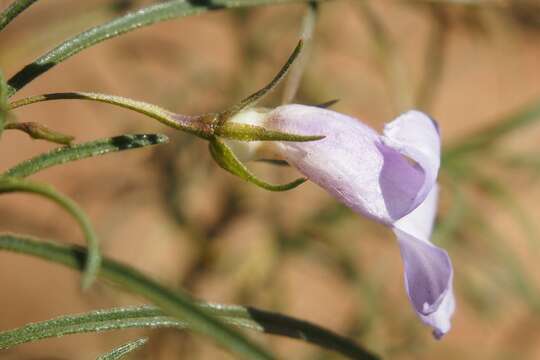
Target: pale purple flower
(390, 178)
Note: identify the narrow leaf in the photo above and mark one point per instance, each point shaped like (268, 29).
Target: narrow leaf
(76, 152)
(8, 185)
(131, 21)
(226, 158)
(147, 316)
(14, 9)
(173, 302)
(123, 350)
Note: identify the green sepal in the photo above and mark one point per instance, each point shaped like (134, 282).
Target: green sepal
(252, 99)
(226, 158)
(274, 162)
(245, 132)
(40, 132)
(327, 104)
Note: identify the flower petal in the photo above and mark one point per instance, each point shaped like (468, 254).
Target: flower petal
(427, 268)
(346, 163)
(416, 136)
(351, 162)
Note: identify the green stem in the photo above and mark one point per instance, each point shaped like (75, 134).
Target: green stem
(13, 10)
(174, 303)
(185, 123)
(131, 21)
(93, 260)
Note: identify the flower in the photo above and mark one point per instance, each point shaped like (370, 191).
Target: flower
(390, 178)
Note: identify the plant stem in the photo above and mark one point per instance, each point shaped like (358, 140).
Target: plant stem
(11, 12)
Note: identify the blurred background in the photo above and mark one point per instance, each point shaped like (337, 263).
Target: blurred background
(174, 214)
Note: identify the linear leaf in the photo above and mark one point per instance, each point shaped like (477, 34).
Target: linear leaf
(174, 303)
(13, 10)
(131, 21)
(63, 155)
(123, 350)
(148, 316)
(93, 261)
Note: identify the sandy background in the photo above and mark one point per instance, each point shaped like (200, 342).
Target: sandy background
(172, 213)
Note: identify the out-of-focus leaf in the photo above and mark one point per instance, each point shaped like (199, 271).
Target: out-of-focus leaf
(40, 132)
(147, 316)
(485, 137)
(93, 261)
(498, 260)
(501, 194)
(131, 21)
(63, 155)
(388, 57)
(226, 158)
(434, 57)
(123, 350)
(447, 226)
(506, 262)
(14, 9)
(297, 70)
(3, 103)
(529, 161)
(200, 317)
